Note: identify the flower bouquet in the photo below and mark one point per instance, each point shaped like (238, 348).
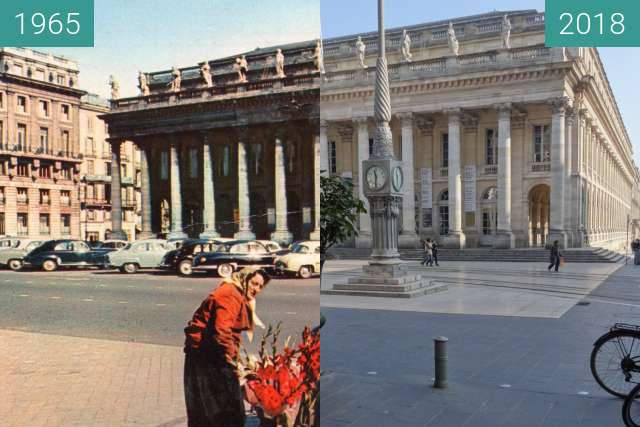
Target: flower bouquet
(283, 387)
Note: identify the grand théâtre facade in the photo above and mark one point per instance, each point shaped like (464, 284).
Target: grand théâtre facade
(505, 142)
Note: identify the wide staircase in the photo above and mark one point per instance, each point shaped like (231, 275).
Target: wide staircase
(586, 255)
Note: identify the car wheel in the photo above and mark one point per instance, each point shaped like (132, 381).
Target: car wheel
(130, 268)
(185, 268)
(15, 264)
(305, 272)
(225, 270)
(49, 265)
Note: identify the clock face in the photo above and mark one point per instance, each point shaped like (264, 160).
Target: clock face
(397, 178)
(376, 177)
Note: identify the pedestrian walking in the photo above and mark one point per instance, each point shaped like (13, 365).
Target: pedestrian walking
(428, 253)
(434, 248)
(635, 247)
(211, 385)
(555, 256)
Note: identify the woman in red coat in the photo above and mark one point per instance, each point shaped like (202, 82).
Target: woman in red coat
(211, 385)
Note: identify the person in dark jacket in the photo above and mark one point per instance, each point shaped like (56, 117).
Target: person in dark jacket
(434, 248)
(555, 256)
(211, 385)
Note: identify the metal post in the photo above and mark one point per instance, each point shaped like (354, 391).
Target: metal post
(440, 354)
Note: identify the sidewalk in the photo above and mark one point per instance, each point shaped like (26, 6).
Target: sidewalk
(50, 380)
(503, 370)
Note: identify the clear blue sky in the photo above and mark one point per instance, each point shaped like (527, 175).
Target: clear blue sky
(341, 17)
(153, 35)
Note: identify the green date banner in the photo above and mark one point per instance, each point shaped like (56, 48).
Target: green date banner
(46, 23)
(592, 23)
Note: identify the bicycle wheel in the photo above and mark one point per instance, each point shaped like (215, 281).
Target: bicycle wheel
(615, 359)
(631, 408)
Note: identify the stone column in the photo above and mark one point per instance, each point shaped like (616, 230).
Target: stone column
(504, 237)
(116, 192)
(455, 238)
(208, 188)
(558, 174)
(281, 234)
(363, 240)
(324, 149)
(244, 203)
(176, 193)
(145, 193)
(315, 234)
(408, 237)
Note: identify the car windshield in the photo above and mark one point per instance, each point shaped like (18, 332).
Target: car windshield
(300, 249)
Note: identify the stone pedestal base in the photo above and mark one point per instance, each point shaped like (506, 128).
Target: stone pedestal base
(244, 235)
(408, 240)
(386, 280)
(177, 235)
(209, 234)
(560, 236)
(315, 235)
(118, 235)
(363, 240)
(454, 241)
(282, 237)
(146, 235)
(504, 240)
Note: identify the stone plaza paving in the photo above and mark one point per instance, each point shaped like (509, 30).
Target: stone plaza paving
(519, 347)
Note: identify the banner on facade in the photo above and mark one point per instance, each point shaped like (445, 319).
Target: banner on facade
(470, 188)
(426, 194)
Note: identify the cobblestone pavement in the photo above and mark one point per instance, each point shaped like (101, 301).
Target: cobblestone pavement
(503, 370)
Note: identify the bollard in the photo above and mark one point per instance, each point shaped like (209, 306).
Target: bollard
(440, 354)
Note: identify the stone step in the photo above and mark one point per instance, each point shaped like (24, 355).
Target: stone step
(409, 287)
(425, 290)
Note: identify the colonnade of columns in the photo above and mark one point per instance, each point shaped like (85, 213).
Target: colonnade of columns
(281, 233)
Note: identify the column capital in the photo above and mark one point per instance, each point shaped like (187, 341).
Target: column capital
(425, 124)
(453, 115)
(559, 104)
(570, 114)
(346, 132)
(406, 119)
(503, 107)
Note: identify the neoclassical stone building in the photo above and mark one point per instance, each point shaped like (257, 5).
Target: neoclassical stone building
(505, 142)
(227, 147)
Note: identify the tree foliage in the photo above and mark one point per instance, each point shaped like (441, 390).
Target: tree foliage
(339, 210)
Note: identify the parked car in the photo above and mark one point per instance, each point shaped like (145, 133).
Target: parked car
(303, 260)
(231, 256)
(181, 259)
(12, 257)
(64, 253)
(141, 254)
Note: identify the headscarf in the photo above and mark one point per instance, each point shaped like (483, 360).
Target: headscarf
(240, 279)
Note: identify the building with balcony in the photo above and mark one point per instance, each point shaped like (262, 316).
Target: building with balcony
(225, 149)
(40, 157)
(95, 188)
(505, 142)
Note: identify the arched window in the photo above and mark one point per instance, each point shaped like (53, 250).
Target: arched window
(443, 210)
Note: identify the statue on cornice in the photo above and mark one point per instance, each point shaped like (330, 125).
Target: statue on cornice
(360, 51)
(506, 33)
(280, 65)
(143, 84)
(406, 46)
(115, 87)
(176, 81)
(205, 73)
(454, 45)
(242, 67)
(318, 57)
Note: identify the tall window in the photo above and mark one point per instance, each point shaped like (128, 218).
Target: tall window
(541, 144)
(44, 197)
(444, 213)
(1, 101)
(22, 169)
(370, 146)
(491, 147)
(1, 195)
(65, 198)
(226, 159)
(65, 172)
(23, 224)
(2, 227)
(90, 147)
(22, 136)
(257, 158)
(65, 224)
(44, 108)
(445, 150)
(66, 112)
(333, 157)
(44, 140)
(44, 224)
(66, 146)
(1, 130)
(44, 171)
(290, 158)
(193, 162)
(90, 167)
(164, 165)
(107, 165)
(22, 104)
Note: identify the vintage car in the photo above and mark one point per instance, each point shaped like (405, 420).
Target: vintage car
(141, 254)
(181, 259)
(12, 257)
(231, 256)
(303, 260)
(64, 253)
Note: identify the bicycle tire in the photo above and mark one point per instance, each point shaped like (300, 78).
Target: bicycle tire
(631, 408)
(620, 388)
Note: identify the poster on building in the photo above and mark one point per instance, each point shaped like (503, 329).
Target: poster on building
(470, 188)
(426, 181)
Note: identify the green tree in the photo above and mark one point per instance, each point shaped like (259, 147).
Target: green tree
(339, 211)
